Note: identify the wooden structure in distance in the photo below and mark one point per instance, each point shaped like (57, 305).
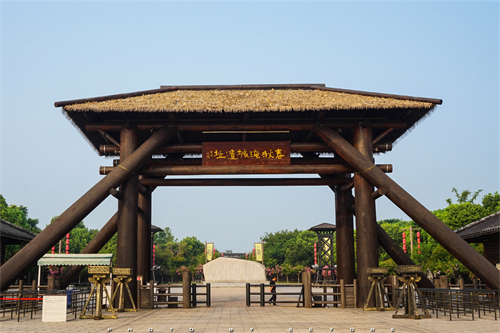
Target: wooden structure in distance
(333, 133)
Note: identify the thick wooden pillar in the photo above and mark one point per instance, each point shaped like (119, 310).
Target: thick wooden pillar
(126, 243)
(144, 235)
(366, 224)
(55, 231)
(345, 235)
(414, 209)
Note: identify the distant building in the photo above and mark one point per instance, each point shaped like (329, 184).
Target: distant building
(11, 234)
(486, 231)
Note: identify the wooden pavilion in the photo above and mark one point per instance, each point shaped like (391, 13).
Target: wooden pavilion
(249, 129)
(11, 234)
(486, 231)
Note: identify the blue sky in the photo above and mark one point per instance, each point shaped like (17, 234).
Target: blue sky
(53, 51)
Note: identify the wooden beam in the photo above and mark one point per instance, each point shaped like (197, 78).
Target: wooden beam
(198, 161)
(126, 241)
(366, 233)
(114, 192)
(398, 255)
(383, 135)
(305, 125)
(160, 170)
(110, 138)
(379, 193)
(415, 210)
(244, 182)
(190, 148)
(249, 86)
(55, 231)
(382, 147)
(144, 234)
(94, 246)
(347, 187)
(345, 234)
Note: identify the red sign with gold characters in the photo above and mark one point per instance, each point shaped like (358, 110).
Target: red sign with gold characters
(246, 153)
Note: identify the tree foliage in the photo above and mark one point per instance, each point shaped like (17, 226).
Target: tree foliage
(18, 215)
(275, 246)
(433, 256)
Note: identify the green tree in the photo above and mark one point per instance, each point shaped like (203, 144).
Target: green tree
(18, 215)
(192, 249)
(110, 247)
(300, 250)
(275, 246)
(491, 202)
(165, 236)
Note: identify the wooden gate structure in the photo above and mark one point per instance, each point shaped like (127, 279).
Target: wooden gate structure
(329, 132)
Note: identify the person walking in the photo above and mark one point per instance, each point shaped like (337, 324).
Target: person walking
(272, 290)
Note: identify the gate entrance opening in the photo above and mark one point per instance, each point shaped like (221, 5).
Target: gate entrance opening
(329, 132)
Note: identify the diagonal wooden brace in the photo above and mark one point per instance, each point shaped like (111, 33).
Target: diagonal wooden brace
(459, 248)
(80, 209)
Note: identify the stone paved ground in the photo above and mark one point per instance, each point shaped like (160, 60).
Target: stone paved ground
(229, 311)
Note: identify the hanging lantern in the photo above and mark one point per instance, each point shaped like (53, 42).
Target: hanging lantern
(315, 254)
(67, 243)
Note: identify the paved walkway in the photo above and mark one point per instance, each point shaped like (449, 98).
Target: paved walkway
(229, 311)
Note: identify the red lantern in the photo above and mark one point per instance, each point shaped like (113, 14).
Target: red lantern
(67, 243)
(315, 254)
(418, 241)
(154, 253)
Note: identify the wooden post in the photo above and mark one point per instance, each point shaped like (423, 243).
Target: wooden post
(33, 285)
(306, 282)
(55, 231)
(21, 285)
(51, 285)
(94, 246)
(459, 248)
(151, 294)
(144, 235)
(443, 279)
(461, 283)
(186, 290)
(126, 243)
(366, 225)
(393, 280)
(399, 256)
(342, 293)
(355, 291)
(345, 235)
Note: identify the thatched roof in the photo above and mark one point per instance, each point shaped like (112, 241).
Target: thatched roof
(273, 100)
(255, 104)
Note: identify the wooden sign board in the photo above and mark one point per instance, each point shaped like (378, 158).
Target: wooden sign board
(246, 153)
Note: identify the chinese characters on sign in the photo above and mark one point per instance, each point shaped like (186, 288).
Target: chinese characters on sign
(259, 253)
(209, 251)
(246, 153)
